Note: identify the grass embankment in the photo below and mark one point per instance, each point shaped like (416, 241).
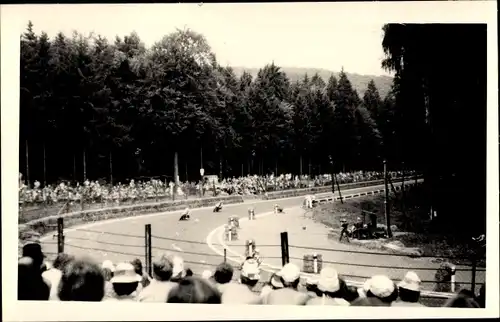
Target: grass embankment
(412, 227)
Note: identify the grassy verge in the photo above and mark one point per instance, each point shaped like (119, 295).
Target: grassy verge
(412, 227)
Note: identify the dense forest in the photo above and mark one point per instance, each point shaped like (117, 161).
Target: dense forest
(91, 107)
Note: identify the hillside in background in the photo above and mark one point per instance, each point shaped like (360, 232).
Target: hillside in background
(359, 82)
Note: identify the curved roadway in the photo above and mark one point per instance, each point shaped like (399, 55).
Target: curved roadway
(123, 239)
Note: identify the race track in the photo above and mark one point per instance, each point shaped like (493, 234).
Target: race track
(123, 239)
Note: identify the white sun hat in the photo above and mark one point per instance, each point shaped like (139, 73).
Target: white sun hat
(206, 274)
(125, 273)
(328, 280)
(381, 286)
(290, 273)
(411, 282)
(250, 269)
(108, 264)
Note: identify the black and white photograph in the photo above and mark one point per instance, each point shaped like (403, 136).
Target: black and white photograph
(298, 154)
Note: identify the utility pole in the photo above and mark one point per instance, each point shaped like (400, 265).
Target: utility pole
(332, 172)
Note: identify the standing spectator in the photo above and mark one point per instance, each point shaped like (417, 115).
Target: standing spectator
(288, 295)
(381, 292)
(344, 224)
(241, 293)
(30, 283)
(329, 290)
(194, 290)
(157, 290)
(54, 274)
(409, 291)
(145, 280)
(82, 280)
(223, 276)
(125, 282)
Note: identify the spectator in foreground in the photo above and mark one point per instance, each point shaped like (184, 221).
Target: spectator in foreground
(194, 290)
(206, 275)
(125, 282)
(329, 290)
(178, 271)
(108, 269)
(139, 270)
(409, 291)
(30, 283)
(34, 251)
(462, 301)
(241, 293)
(159, 287)
(82, 280)
(274, 283)
(481, 298)
(288, 295)
(381, 292)
(223, 276)
(54, 274)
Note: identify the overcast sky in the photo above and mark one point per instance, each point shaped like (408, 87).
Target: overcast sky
(248, 35)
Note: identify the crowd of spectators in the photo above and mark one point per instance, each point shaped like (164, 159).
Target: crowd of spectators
(100, 192)
(69, 278)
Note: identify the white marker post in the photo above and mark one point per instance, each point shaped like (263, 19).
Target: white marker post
(315, 263)
(251, 214)
(202, 173)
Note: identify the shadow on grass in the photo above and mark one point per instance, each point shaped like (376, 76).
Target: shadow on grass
(412, 227)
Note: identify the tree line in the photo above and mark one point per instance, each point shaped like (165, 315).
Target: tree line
(90, 107)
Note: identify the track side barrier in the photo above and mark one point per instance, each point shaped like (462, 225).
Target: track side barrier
(324, 189)
(47, 225)
(364, 194)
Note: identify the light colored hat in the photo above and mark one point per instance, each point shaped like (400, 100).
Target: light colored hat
(276, 281)
(290, 273)
(381, 286)
(250, 269)
(125, 273)
(411, 282)
(206, 274)
(109, 265)
(178, 265)
(328, 280)
(311, 281)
